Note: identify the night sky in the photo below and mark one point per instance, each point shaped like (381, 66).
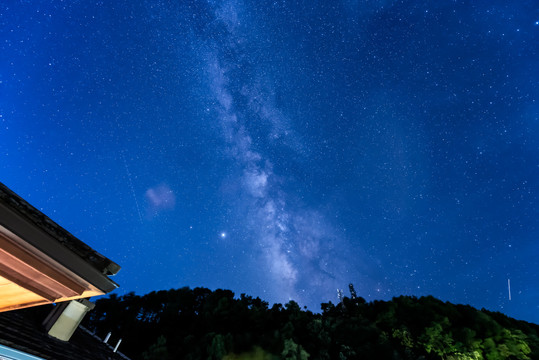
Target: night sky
(284, 149)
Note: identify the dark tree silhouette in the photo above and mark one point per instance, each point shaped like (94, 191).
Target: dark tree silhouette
(202, 324)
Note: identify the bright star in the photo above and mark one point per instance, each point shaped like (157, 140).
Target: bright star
(223, 235)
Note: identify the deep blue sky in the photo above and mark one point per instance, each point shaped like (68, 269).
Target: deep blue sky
(284, 148)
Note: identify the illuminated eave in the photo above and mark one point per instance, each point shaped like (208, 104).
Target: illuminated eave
(37, 268)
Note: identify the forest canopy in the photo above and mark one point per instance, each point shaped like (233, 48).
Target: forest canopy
(203, 324)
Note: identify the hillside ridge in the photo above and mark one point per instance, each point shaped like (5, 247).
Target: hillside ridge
(203, 324)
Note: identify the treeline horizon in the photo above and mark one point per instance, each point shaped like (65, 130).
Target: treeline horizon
(203, 324)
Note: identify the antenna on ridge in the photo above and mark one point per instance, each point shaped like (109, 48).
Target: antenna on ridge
(340, 295)
(353, 293)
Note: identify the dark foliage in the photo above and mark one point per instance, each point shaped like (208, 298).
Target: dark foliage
(203, 324)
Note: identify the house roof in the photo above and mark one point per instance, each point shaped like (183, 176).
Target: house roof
(22, 330)
(20, 206)
(41, 262)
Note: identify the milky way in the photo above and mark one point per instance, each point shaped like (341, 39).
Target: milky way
(296, 246)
